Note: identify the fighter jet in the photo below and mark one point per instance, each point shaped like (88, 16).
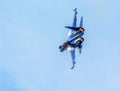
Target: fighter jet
(74, 38)
(71, 46)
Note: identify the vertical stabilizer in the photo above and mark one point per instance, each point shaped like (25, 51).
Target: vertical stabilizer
(81, 22)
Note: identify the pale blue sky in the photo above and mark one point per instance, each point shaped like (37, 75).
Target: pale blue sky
(32, 30)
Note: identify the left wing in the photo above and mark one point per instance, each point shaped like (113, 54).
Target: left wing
(73, 58)
(71, 32)
(75, 18)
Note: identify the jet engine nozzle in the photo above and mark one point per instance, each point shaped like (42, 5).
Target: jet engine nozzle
(81, 29)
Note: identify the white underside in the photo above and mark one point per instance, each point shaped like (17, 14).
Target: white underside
(69, 33)
(70, 48)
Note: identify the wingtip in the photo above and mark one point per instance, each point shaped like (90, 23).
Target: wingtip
(66, 26)
(75, 9)
(73, 65)
(72, 68)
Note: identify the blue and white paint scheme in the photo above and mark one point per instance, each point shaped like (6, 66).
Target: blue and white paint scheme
(73, 38)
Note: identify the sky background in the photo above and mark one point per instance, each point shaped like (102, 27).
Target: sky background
(32, 30)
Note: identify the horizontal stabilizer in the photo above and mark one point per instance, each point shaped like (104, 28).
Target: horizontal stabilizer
(73, 28)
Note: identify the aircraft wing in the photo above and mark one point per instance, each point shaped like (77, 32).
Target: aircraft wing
(75, 18)
(71, 32)
(74, 28)
(73, 58)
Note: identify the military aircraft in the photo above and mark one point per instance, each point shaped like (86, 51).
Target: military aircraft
(74, 38)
